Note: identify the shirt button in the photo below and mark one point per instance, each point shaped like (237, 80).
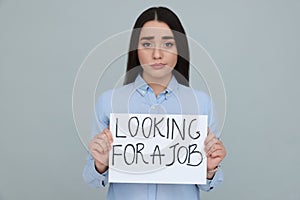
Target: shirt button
(152, 107)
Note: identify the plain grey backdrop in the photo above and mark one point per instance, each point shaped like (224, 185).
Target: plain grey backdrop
(255, 44)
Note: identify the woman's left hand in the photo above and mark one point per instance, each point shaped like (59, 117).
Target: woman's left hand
(215, 151)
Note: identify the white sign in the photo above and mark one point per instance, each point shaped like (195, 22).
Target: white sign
(151, 148)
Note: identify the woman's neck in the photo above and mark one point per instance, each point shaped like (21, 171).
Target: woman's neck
(157, 84)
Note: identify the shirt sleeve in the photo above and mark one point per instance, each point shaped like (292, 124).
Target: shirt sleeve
(213, 126)
(100, 121)
(212, 118)
(211, 184)
(91, 176)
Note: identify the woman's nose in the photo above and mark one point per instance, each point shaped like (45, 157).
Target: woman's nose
(157, 53)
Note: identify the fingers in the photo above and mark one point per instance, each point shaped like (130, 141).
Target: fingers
(214, 147)
(101, 158)
(210, 141)
(216, 150)
(103, 140)
(98, 156)
(101, 143)
(209, 137)
(108, 134)
(218, 153)
(100, 146)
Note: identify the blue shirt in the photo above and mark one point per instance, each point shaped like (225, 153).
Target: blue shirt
(138, 97)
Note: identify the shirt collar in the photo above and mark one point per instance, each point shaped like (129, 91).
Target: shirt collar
(142, 87)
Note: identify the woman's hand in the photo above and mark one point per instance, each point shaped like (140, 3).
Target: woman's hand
(99, 147)
(215, 152)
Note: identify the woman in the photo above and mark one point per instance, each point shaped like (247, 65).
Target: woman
(157, 81)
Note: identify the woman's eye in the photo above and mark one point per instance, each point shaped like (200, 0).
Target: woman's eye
(168, 44)
(147, 44)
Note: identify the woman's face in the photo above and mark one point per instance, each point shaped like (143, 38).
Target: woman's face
(157, 51)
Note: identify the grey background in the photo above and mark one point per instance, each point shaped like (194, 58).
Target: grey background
(42, 44)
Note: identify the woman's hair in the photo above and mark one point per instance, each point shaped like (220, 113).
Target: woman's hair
(161, 14)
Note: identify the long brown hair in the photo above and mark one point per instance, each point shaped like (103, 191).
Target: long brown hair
(162, 14)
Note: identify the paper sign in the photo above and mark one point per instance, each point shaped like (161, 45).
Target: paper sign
(151, 148)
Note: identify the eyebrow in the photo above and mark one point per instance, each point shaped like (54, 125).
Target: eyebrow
(167, 37)
(152, 37)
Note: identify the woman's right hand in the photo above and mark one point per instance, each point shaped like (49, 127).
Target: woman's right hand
(99, 147)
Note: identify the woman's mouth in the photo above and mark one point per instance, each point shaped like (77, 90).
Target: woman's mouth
(158, 65)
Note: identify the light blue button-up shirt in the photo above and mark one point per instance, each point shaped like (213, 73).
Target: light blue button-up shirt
(138, 97)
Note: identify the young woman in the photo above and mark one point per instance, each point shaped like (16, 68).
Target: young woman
(157, 81)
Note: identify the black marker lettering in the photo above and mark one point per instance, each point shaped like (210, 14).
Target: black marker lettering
(138, 151)
(174, 154)
(157, 154)
(115, 154)
(149, 129)
(181, 134)
(156, 127)
(198, 132)
(125, 159)
(168, 127)
(194, 146)
(186, 154)
(118, 136)
(129, 126)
